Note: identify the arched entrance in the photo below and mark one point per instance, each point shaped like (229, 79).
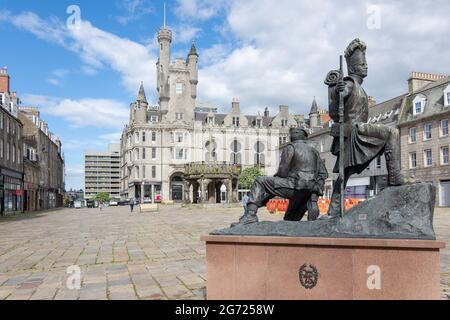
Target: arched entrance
(176, 187)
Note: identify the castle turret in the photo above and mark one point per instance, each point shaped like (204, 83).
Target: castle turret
(140, 107)
(163, 86)
(192, 62)
(314, 120)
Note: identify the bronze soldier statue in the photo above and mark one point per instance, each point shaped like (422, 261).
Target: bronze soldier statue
(301, 177)
(363, 142)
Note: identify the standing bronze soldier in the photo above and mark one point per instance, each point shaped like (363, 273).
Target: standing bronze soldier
(363, 141)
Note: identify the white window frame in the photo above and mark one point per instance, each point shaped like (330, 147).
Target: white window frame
(425, 158)
(177, 154)
(419, 99)
(441, 131)
(153, 136)
(179, 88)
(443, 163)
(153, 153)
(425, 138)
(411, 160)
(179, 116)
(415, 135)
(236, 121)
(179, 137)
(378, 162)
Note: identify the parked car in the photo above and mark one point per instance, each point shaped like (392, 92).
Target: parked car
(77, 204)
(113, 202)
(124, 202)
(92, 204)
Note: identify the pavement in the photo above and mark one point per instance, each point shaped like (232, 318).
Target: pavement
(93, 254)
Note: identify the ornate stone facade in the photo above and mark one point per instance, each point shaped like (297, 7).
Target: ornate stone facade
(162, 144)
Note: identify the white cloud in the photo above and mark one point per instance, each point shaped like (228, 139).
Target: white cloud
(97, 48)
(111, 137)
(185, 33)
(198, 9)
(283, 49)
(75, 170)
(54, 82)
(133, 10)
(57, 76)
(102, 113)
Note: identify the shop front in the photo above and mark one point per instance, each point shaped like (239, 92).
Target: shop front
(11, 191)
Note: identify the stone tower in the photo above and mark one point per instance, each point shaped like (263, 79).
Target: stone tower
(314, 117)
(192, 62)
(139, 107)
(163, 64)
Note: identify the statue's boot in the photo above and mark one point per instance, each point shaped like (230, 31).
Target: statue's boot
(248, 218)
(393, 164)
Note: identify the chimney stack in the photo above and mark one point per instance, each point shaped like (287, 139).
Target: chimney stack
(266, 112)
(4, 80)
(419, 80)
(235, 105)
(372, 101)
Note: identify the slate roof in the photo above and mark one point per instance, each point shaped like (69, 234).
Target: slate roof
(219, 118)
(434, 94)
(386, 112)
(141, 95)
(314, 107)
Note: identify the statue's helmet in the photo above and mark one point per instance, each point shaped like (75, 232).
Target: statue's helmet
(296, 131)
(355, 52)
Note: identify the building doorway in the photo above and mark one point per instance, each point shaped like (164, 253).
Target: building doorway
(176, 188)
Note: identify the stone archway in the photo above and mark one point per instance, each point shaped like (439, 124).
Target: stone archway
(176, 187)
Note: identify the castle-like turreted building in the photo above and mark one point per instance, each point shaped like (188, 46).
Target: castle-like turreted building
(182, 150)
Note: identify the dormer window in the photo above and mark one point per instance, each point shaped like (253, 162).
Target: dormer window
(211, 121)
(418, 104)
(284, 122)
(153, 118)
(179, 116)
(258, 123)
(236, 121)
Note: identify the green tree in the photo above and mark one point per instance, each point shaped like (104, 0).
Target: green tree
(248, 176)
(66, 201)
(102, 196)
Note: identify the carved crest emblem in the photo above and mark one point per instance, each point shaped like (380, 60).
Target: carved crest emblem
(308, 276)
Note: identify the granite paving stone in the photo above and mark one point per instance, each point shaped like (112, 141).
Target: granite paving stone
(123, 255)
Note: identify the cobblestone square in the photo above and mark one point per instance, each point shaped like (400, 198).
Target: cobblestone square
(123, 255)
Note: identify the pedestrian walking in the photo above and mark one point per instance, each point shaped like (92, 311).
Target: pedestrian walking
(100, 205)
(245, 199)
(131, 204)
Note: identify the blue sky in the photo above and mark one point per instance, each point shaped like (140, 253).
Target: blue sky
(263, 52)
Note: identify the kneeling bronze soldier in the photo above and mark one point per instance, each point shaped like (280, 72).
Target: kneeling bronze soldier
(300, 178)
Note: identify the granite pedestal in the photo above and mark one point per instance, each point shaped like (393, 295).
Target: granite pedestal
(275, 268)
